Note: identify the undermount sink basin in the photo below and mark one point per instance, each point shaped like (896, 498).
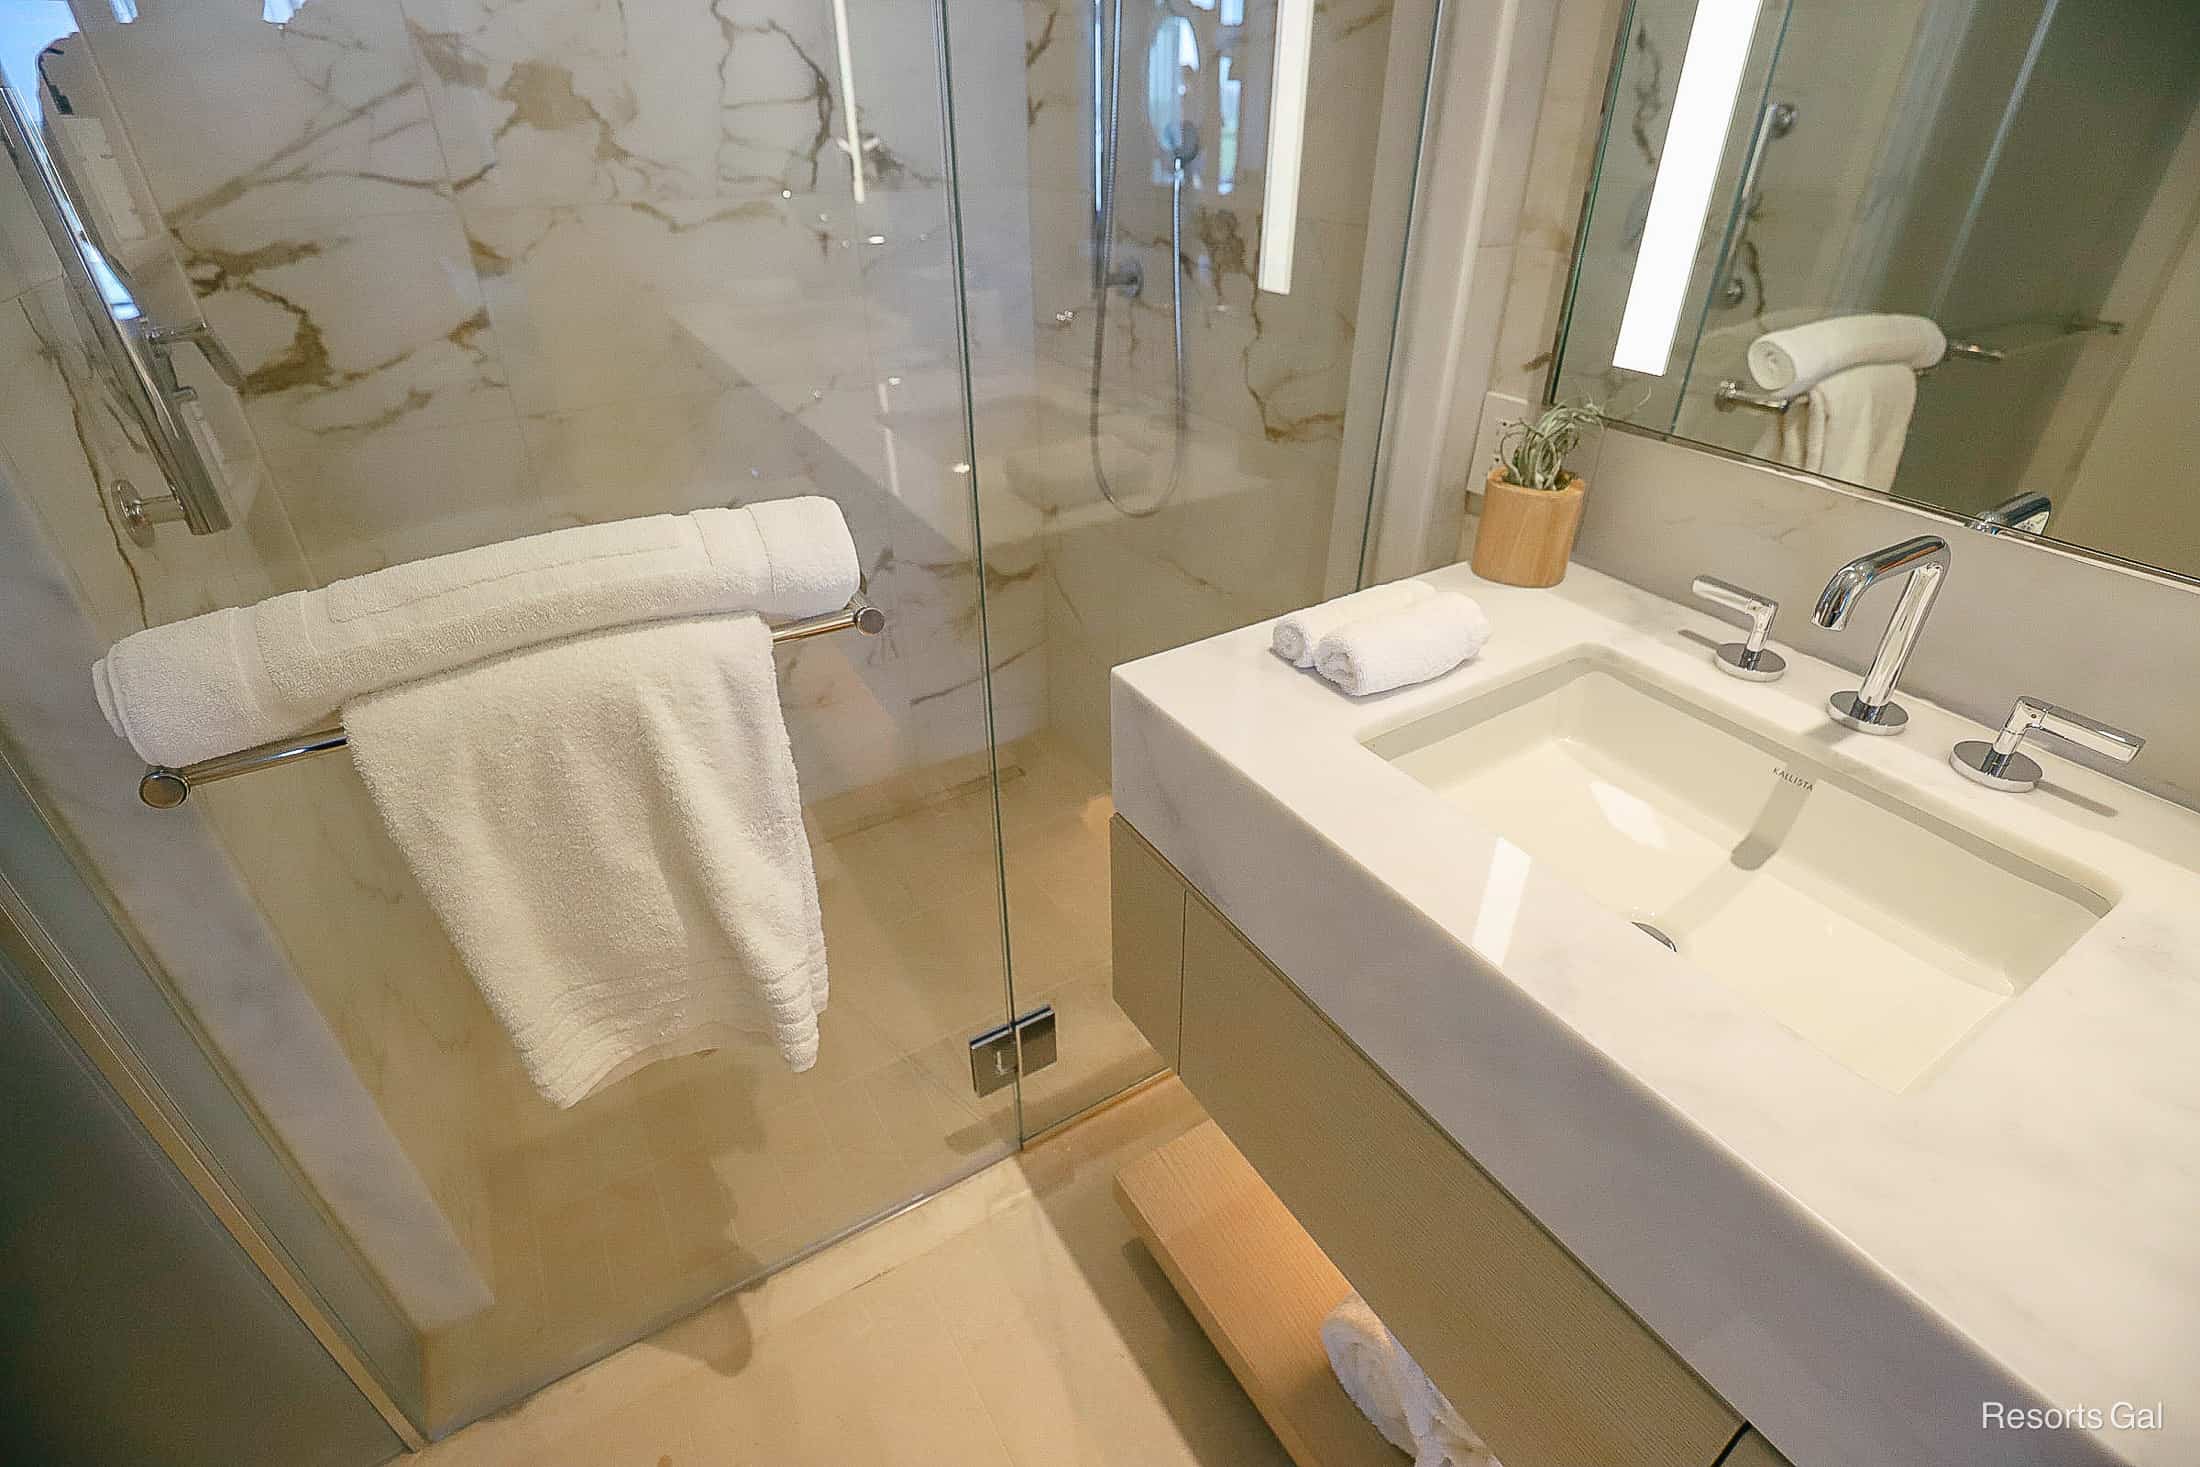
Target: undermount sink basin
(1879, 933)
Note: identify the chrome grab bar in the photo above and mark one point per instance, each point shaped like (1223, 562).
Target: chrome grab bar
(164, 788)
(135, 351)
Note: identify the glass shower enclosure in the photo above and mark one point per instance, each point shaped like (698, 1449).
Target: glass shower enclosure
(1022, 290)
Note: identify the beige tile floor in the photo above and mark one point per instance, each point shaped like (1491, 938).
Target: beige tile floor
(699, 1174)
(1012, 1321)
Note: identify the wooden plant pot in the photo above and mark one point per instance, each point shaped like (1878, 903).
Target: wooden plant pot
(1526, 534)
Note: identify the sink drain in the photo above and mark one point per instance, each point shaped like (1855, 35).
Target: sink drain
(1661, 937)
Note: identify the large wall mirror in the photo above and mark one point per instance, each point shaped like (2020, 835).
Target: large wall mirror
(1944, 249)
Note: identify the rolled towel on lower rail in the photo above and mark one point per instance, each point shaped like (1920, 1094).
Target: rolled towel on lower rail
(1411, 645)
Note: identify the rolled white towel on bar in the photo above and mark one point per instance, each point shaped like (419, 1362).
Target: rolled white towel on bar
(234, 678)
(1797, 358)
(1410, 645)
(1297, 634)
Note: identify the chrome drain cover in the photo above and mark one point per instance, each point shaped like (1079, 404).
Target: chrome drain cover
(1654, 932)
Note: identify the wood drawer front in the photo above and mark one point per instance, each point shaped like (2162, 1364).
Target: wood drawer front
(1146, 902)
(1547, 1366)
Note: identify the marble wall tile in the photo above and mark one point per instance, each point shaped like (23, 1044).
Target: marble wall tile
(361, 501)
(1268, 367)
(233, 119)
(1057, 95)
(998, 252)
(594, 303)
(550, 102)
(323, 356)
(663, 455)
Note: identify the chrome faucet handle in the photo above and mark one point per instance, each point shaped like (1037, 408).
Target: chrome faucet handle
(2001, 766)
(1751, 659)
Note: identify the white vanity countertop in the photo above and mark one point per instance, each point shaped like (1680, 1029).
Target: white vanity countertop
(1855, 1270)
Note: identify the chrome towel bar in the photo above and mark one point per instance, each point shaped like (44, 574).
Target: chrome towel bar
(164, 788)
(1732, 394)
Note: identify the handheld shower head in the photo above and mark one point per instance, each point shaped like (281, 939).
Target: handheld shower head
(1182, 142)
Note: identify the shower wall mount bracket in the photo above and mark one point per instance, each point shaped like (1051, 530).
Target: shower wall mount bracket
(1020, 1047)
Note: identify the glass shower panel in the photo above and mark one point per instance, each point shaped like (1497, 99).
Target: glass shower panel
(1164, 458)
(489, 270)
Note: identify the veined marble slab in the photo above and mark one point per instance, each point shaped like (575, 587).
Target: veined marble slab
(1857, 1271)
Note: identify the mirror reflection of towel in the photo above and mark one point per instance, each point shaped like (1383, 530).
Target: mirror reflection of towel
(1852, 426)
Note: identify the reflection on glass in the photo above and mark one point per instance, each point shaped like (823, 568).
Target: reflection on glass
(1942, 164)
(1286, 138)
(1703, 108)
(1230, 93)
(1172, 59)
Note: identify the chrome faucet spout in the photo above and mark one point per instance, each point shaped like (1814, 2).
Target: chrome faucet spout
(1866, 571)
(1924, 560)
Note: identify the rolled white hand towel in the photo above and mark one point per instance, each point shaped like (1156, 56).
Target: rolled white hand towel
(1800, 357)
(1441, 1437)
(1394, 1393)
(244, 675)
(1298, 634)
(1410, 645)
(1364, 1356)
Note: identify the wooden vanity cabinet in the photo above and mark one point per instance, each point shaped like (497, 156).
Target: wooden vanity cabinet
(1546, 1365)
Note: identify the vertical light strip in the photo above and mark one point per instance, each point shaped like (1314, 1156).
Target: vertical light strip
(1279, 204)
(848, 95)
(1703, 110)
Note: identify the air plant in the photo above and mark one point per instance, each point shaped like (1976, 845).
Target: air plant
(1533, 452)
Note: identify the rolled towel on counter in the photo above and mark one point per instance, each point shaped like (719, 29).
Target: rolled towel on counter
(242, 676)
(1394, 1393)
(1392, 649)
(1798, 358)
(1298, 634)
